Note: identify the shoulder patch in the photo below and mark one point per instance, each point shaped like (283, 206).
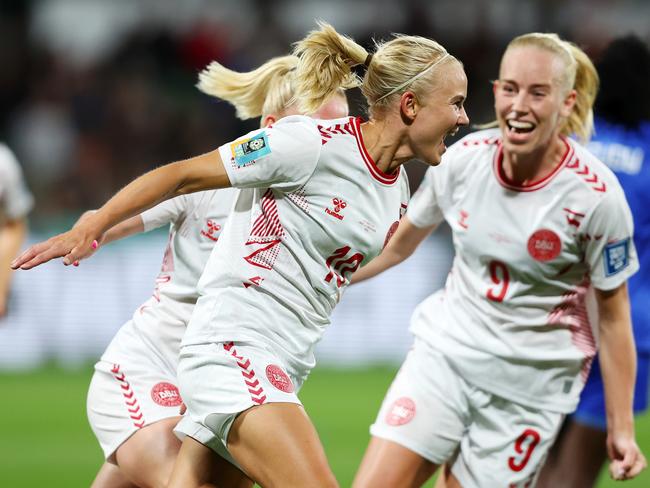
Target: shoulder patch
(616, 256)
(245, 151)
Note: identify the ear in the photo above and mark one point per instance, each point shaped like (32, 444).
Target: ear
(409, 106)
(268, 120)
(568, 103)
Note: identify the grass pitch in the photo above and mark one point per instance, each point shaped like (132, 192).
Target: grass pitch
(45, 439)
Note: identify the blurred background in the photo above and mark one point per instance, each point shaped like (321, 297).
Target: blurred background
(93, 93)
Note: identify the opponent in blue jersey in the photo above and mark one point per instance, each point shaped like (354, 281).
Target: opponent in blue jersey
(622, 141)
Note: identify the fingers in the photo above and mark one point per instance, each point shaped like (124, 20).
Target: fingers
(37, 254)
(69, 246)
(638, 466)
(630, 466)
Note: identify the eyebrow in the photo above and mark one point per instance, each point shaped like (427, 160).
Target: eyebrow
(535, 85)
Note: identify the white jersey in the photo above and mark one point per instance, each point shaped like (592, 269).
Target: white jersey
(512, 317)
(15, 200)
(312, 209)
(196, 221)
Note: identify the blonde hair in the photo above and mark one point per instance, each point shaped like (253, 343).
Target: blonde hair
(579, 74)
(268, 89)
(327, 58)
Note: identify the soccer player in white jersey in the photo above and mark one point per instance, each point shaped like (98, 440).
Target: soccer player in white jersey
(15, 202)
(318, 199)
(133, 401)
(502, 351)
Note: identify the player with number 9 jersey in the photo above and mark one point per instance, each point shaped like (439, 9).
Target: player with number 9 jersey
(541, 231)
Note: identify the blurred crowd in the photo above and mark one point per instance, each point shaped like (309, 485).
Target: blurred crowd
(94, 93)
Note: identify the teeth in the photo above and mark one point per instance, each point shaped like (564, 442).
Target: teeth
(517, 124)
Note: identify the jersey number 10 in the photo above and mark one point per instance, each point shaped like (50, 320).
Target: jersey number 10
(338, 264)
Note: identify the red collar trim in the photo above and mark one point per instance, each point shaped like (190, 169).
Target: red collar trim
(535, 185)
(376, 173)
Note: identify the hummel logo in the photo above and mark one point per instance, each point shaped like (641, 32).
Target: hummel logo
(339, 204)
(212, 229)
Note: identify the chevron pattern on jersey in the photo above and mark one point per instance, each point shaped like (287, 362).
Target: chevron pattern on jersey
(252, 383)
(585, 172)
(131, 401)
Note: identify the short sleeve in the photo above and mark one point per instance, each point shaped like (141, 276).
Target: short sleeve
(15, 199)
(609, 247)
(164, 213)
(423, 210)
(283, 156)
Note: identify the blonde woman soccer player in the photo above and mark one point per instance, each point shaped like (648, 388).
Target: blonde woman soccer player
(318, 200)
(133, 401)
(502, 352)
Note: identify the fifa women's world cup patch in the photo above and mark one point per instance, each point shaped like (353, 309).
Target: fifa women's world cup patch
(246, 151)
(616, 256)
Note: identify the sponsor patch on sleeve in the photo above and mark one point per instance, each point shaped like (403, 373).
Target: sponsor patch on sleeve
(246, 151)
(617, 256)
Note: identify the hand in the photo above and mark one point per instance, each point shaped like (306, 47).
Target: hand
(74, 245)
(627, 460)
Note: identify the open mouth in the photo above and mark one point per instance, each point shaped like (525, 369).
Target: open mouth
(520, 126)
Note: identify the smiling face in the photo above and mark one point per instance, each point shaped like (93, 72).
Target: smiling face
(438, 113)
(530, 100)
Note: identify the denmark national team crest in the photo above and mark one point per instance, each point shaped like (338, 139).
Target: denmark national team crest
(166, 394)
(279, 378)
(401, 412)
(544, 245)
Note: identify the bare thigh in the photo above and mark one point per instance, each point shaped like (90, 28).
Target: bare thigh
(388, 464)
(199, 466)
(278, 446)
(110, 476)
(576, 458)
(147, 457)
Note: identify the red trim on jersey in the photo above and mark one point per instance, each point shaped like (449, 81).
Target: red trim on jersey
(535, 185)
(378, 174)
(268, 222)
(571, 313)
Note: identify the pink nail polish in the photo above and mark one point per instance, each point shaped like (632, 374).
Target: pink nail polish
(76, 263)
(95, 244)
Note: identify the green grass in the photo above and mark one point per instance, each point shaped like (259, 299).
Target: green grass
(45, 439)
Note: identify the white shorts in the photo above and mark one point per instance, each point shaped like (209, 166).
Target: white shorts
(134, 383)
(124, 398)
(220, 380)
(486, 440)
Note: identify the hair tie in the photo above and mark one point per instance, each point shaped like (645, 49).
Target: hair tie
(366, 63)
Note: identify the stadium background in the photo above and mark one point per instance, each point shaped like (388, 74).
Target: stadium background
(94, 93)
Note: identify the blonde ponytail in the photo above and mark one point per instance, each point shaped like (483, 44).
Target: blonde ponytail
(325, 65)
(581, 120)
(327, 57)
(265, 90)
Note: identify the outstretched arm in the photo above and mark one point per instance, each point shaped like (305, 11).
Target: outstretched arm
(404, 243)
(129, 227)
(191, 175)
(618, 365)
